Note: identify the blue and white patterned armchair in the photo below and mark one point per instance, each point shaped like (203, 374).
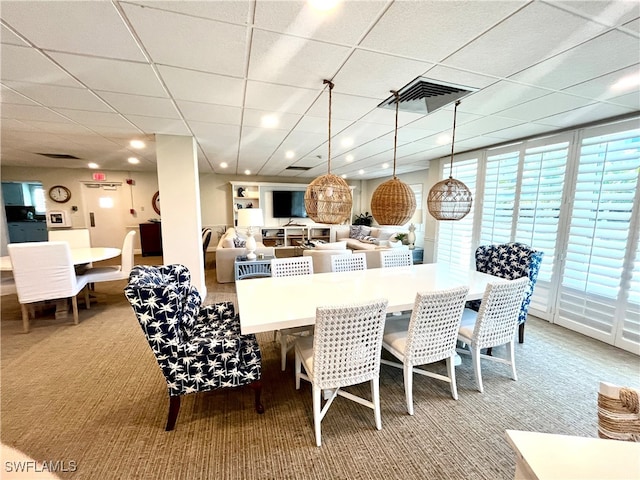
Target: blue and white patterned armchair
(510, 261)
(198, 348)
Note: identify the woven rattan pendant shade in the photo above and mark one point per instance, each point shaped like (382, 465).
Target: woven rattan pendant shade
(393, 202)
(450, 199)
(328, 198)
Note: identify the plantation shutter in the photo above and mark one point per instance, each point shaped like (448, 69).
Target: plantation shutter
(600, 222)
(454, 243)
(501, 181)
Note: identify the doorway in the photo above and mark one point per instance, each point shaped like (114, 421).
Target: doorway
(105, 213)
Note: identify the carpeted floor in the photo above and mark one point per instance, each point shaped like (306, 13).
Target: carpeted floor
(93, 394)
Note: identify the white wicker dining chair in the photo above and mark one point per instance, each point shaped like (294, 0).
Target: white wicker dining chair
(344, 350)
(493, 325)
(396, 258)
(428, 336)
(289, 267)
(347, 263)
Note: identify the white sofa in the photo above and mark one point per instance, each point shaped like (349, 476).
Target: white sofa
(322, 253)
(380, 238)
(226, 254)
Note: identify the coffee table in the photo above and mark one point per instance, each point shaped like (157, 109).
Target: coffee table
(245, 268)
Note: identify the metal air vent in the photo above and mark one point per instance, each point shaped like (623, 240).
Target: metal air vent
(293, 167)
(424, 96)
(65, 156)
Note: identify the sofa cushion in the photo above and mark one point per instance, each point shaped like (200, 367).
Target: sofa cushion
(386, 234)
(227, 242)
(368, 239)
(332, 246)
(239, 242)
(356, 231)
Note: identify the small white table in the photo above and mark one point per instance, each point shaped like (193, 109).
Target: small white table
(545, 456)
(79, 256)
(284, 302)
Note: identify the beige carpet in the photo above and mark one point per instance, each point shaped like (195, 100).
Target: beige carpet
(94, 394)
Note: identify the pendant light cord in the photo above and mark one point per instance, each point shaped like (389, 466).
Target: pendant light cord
(395, 134)
(453, 137)
(330, 89)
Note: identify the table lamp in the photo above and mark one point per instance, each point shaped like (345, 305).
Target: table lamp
(250, 217)
(416, 219)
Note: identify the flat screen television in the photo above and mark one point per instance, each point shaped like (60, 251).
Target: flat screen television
(288, 204)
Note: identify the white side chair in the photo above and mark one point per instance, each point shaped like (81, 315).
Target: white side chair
(347, 263)
(45, 271)
(115, 272)
(289, 267)
(345, 350)
(493, 325)
(396, 258)
(428, 336)
(322, 258)
(76, 238)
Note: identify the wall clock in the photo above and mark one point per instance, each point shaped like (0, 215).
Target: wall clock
(59, 194)
(155, 201)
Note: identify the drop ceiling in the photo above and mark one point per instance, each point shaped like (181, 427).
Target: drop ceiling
(82, 79)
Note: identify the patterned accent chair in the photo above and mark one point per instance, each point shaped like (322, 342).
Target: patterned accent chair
(198, 348)
(510, 261)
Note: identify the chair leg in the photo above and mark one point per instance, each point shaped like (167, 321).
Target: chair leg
(174, 408)
(512, 359)
(475, 358)
(283, 351)
(257, 391)
(521, 333)
(451, 370)
(408, 387)
(298, 368)
(375, 394)
(317, 407)
(87, 300)
(74, 303)
(25, 317)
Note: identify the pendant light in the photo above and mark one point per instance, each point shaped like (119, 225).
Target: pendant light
(450, 199)
(393, 202)
(328, 198)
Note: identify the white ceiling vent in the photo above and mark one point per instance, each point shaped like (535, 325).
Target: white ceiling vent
(424, 96)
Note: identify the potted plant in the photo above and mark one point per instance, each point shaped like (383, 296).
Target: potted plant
(402, 237)
(363, 219)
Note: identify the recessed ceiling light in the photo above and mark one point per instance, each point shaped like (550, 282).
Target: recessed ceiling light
(137, 144)
(269, 121)
(349, 158)
(133, 160)
(385, 165)
(346, 142)
(344, 175)
(224, 164)
(247, 172)
(626, 83)
(290, 154)
(93, 165)
(361, 172)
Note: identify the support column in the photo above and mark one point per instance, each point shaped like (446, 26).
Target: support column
(179, 186)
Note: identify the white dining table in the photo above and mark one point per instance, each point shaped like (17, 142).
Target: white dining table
(80, 256)
(275, 303)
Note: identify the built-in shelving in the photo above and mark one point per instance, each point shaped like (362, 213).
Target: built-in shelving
(292, 236)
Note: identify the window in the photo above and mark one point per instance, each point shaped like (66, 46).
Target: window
(498, 204)
(455, 244)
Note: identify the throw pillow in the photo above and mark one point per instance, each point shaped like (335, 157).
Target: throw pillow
(355, 231)
(227, 242)
(369, 239)
(239, 242)
(386, 234)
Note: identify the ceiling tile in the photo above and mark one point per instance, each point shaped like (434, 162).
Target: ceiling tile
(543, 107)
(207, 112)
(278, 98)
(90, 28)
(132, 104)
(344, 107)
(203, 87)
(9, 96)
(58, 96)
(10, 38)
(95, 119)
(152, 125)
(253, 118)
(189, 44)
(586, 114)
(605, 87)
(611, 13)
(236, 11)
(30, 112)
(24, 64)
(500, 96)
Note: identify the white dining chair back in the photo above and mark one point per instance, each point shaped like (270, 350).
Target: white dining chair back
(346, 263)
(289, 267)
(345, 350)
(493, 325)
(115, 272)
(429, 336)
(76, 238)
(396, 258)
(44, 271)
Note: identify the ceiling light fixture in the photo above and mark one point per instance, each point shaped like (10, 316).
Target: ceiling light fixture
(247, 172)
(137, 144)
(133, 160)
(269, 121)
(328, 198)
(393, 202)
(349, 158)
(450, 199)
(93, 165)
(290, 154)
(224, 164)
